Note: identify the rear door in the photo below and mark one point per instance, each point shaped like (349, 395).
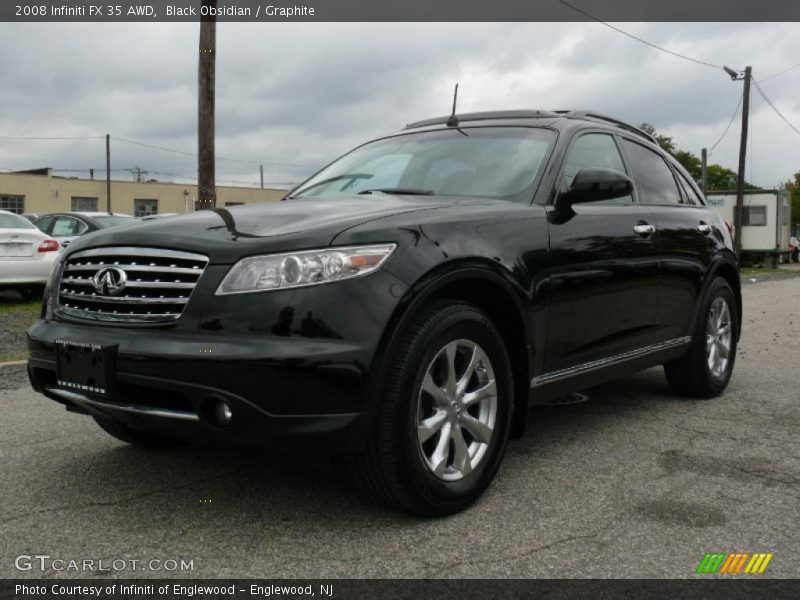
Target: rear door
(686, 232)
(65, 229)
(604, 275)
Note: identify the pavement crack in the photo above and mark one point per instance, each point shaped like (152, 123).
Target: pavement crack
(138, 497)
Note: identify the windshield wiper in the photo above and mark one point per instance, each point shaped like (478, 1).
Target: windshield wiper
(351, 176)
(399, 191)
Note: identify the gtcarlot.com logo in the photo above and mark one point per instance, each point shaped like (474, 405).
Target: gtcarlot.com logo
(45, 562)
(737, 563)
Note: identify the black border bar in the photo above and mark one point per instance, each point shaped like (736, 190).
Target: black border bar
(711, 588)
(403, 10)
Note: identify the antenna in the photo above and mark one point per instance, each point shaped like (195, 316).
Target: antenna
(453, 120)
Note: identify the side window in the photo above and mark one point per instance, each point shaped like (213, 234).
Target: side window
(692, 195)
(594, 150)
(66, 226)
(655, 181)
(44, 223)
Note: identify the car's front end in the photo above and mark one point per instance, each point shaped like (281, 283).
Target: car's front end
(189, 344)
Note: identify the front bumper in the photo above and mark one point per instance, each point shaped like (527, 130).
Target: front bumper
(291, 383)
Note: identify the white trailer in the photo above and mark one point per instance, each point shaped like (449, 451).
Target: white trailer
(765, 222)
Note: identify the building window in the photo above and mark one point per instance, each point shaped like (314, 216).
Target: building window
(755, 215)
(80, 204)
(15, 204)
(234, 203)
(145, 208)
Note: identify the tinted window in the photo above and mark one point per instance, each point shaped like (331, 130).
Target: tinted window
(653, 177)
(495, 162)
(594, 150)
(43, 223)
(692, 195)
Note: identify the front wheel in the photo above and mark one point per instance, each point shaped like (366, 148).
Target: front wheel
(706, 369)
(446, 405)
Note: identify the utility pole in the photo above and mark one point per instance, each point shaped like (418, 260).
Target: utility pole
(704, 169)
(261, 170)
(108, 173)
(206, 74)
(738, 215)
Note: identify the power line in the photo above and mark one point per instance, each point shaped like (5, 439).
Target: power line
(638, 39)
(775, 108)
(237, 160)
(724, 133)
(779, 74)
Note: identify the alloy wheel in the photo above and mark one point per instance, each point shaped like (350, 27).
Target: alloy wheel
(456, 410)
(719, 335)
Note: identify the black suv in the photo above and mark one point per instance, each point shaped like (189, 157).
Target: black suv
(405, 305)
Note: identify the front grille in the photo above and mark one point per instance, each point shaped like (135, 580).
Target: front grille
(156, 284)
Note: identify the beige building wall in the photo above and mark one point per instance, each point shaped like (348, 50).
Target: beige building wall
(48, 193)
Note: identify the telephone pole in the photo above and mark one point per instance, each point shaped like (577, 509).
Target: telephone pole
(738, 215)
(261, 171)
(108, 173)
(206, 72)
(704, 169)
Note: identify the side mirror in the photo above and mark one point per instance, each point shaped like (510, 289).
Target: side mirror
(593, 185)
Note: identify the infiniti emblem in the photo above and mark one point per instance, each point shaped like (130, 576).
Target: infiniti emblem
(109, 281)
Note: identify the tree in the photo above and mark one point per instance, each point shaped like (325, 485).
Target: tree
(718, 178)
(664, 141)
(794, 189)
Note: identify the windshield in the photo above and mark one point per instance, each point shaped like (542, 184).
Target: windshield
(493, 162)
(14, 222)
(114, 221)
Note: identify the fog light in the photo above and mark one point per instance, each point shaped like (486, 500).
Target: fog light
(222, 413)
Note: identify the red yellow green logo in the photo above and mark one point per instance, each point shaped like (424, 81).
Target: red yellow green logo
(735, 563)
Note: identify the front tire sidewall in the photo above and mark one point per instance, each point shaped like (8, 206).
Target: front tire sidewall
(448, 495)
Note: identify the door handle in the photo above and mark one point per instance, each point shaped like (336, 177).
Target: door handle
(644, 230)
(704, 228)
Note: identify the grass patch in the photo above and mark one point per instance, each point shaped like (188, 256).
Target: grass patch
(755, 272)
(12, 357)
(24, 307)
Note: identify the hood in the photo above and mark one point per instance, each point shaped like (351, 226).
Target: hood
(227, 234)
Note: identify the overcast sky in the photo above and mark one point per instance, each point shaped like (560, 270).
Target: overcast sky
(301, 94)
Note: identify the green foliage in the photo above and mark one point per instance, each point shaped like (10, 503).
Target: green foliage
(794, 188)
(718, 178)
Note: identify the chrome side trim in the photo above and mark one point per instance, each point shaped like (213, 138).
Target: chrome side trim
(607, 362)
(149, 411)
(137, 251)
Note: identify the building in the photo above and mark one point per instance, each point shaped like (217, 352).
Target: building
(765, 221)
(39, 191)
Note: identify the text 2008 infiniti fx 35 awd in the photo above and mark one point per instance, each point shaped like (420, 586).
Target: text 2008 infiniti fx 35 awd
(405, 305)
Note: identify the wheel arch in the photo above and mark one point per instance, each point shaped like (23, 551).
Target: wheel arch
(726, 267)
(491, 288)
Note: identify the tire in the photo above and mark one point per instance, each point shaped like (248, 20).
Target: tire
(401, 469)
(32, 292)
(692, 374)
(135, 437)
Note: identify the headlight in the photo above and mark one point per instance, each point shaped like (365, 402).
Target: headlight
(299, 269)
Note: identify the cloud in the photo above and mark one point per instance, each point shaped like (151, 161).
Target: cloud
(304, 93)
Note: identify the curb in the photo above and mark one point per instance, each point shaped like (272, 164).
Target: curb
(13, 363)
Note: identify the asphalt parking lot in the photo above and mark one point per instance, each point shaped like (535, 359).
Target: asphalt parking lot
(632, 483)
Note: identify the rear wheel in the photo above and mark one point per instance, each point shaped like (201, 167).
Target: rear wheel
(135, 437)
(706, 369)
(445, 413)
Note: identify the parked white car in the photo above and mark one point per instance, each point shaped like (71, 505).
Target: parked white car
(26, 255)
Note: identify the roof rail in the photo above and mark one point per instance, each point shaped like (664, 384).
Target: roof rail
(487, 116)
(588, 114)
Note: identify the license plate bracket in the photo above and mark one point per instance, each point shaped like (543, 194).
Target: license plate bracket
(85, 367)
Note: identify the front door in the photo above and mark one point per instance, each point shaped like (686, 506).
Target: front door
(604, 268)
